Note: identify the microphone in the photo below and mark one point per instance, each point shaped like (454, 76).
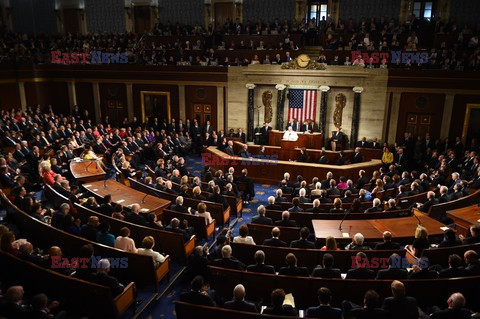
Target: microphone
(344, 216)
(143, 199)
(416, 217)
(86, 167)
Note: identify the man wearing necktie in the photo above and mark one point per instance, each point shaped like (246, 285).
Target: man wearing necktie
(337, 139)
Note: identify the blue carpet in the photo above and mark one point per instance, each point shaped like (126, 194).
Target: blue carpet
(164, 307)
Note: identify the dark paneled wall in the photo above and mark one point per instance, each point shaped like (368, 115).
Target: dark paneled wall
(268, 10)
(369, 8)
(113, 92)
(465, 11)
(33, 16)
(9, 96)
(174, 103)
(202, 95)
(189, 12)
(409, 103)
(458, 115)
(84, 93)
(105, 15)
(48, 93)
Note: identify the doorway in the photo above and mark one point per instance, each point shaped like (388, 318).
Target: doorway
(418, 124)
(223, 11)
(142, 18)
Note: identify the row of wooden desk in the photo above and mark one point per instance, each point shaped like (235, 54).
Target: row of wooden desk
(87, 171)
(308, 140)
(464, 218)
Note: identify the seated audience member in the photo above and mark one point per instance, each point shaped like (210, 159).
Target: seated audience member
(370, 309)
(275, 240)
(198, 264)
(456, 309)
(375, 207)
(197, 191)
(280, 198)
(400, 306)
(472, 263)
(475, 235)
(238, 303)
(347, 197)
(217, 197)
(360, 271)
(455, 268)
(278, 307)
(387, 243)
(292, 269)
(357, 243)
(420, 242)
(104, 279)
(330, 244)
(243, 237)
(444, 197)
(302, 193)
(135, 217)
(175, 227)
(392, 205)
(327, 271)
(286, 222)
(295, 208)
(261, 218)
(148, 243)
(178, 206)
(107, 208)
(104, 236)
(90, 229)
(124, 242)
(393, 271)
(324, 310)
(197, 295)
(431, 200)
(12, 306)
(260, 266)
(333, 190)
(303, 242)
(450, 239)
(202, 212)
(227, 261)
(337, 207)
(419, 272)
(271, 204)
(316, 207)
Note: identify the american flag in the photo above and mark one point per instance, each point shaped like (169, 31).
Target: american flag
(302, 105)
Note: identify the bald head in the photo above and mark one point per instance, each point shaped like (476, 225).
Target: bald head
(55, 251)
(456, 301)
(239, 292)
(470, 256)
(15, 294)
(398, 289)
(136, 208)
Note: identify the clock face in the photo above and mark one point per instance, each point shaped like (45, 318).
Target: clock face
(303, 60)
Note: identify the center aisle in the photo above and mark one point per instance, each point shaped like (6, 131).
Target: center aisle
(165, 308)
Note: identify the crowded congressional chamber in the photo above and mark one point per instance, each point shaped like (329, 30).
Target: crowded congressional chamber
(239, 159)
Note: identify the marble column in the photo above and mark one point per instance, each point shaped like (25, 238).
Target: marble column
(251, 111)
(23, 96)
(72, 95)
(323, 112)
(130, 110)
(280, 105)
(355, 115)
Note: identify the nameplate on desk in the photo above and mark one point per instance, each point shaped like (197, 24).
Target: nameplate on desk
(89, 185)
(144, 210)
(95, 189)
(120, 201)
(345, 235)
(444, 228)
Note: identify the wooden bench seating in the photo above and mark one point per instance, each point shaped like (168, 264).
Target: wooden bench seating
(304, 219)
(439, 256)
(259, 287)
(185, 310)
(309, 258)
(140, 270)
(167, 242)
(439, 211)
(216, 210)
(83, 297)
(201, 230)
(262, 232)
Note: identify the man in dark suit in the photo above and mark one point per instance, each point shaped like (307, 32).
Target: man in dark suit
(473, 264)
(323, 158)
(241, 135)
(227, 261)
(286, 222)
(261, 218)
(90, 230)
(399, 305)
(455, 268)
(196, 296)
(135, 217)
(316, 207)
(362, 180)
(327, 271)
(475, 235)
(217, 197)
(275, 240)
(293, 124)
(324, 310)
(175, 227)
(307, 127)
(295, 208)
(357, 157)
(393, 271)
(429, 203)
(387, 243)
(229, 148)
(455, 310)
(178, 206)
(292, 269)
(303, 242)
(264, 132)
(238, 303)
(375, 208)
(102, 278)
(207, 128)
(271, 204)
(363, 143)
(401, 160)
(260, 266)
(360, 272)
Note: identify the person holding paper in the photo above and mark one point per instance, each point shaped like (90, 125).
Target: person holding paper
(290, 135)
